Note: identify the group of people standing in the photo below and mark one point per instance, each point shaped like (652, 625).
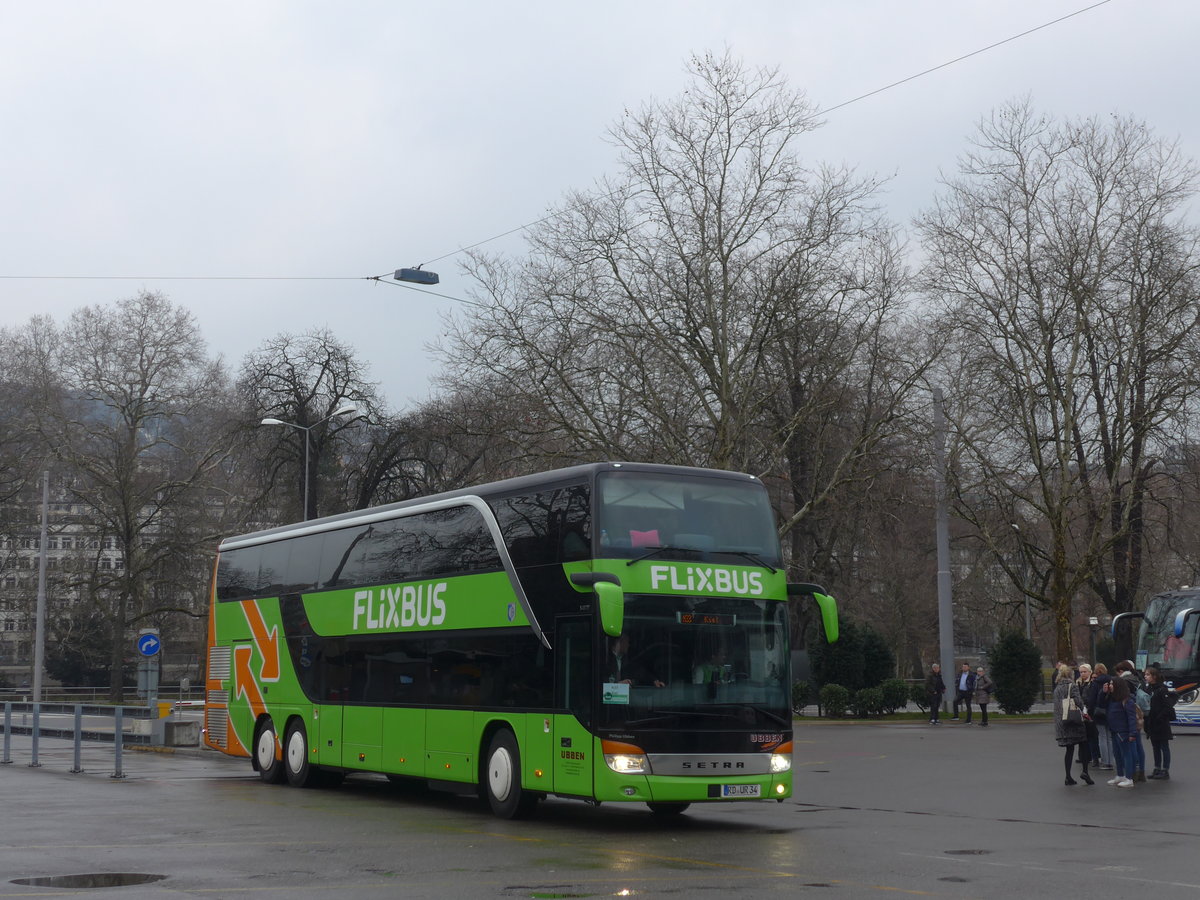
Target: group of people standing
(971, 688)
(1105, 716)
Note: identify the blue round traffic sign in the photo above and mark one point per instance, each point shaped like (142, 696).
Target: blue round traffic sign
(148, 644)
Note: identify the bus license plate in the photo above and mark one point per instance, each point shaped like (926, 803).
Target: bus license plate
(737, 791)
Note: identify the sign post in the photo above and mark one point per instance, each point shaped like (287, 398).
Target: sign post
(149, 645)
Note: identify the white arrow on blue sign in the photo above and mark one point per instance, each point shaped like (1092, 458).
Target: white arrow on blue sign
(148, 644)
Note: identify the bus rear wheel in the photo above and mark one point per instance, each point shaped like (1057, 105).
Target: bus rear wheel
(668, 809)
(300, 773)
(502, 778)
(270, 769)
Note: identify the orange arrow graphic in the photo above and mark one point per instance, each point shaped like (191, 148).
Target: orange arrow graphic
(244, 680)
(268, 641)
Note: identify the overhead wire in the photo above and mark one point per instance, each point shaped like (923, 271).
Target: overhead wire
(383, 279)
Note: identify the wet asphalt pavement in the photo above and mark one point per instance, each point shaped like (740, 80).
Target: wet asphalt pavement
(951, 811)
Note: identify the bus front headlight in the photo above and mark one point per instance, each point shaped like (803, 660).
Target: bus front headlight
(625, 759)
(780, 762)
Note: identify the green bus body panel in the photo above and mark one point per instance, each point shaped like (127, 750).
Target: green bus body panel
(663, 576)
(558, 754)
(466, 601)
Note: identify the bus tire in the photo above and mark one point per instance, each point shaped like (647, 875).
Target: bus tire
(502, 778)
(270, 768)
(300, 773)
(668, 809)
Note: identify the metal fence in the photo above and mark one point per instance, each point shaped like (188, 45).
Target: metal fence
(118, 725)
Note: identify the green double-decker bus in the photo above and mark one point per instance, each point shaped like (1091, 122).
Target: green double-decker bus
(606, 632)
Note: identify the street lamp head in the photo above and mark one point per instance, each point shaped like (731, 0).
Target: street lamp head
(345, 409)
(1093, 621)
(269, 421)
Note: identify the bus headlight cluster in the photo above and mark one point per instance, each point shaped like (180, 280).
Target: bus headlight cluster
(1188, 697)
(625, 759)
(781, 762)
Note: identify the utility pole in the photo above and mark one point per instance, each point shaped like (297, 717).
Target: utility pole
(39, 626)
(944, 584)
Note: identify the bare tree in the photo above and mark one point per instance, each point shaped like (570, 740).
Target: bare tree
(1067, 281)
(718, 303)
(131, 409)
(303, 380)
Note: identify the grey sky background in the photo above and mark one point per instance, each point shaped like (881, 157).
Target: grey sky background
(349, 139)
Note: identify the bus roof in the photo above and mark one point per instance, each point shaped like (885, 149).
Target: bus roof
(580, 473)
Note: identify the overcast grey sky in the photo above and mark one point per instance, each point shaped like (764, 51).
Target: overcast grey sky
(289, 138)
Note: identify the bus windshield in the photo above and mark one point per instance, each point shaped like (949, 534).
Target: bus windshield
(685, 518)
(702, 663)
(1157, 641)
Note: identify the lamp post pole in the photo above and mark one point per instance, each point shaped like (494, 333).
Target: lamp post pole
(340, 411)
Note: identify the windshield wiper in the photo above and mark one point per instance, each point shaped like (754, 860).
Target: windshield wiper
(656, 551)
(774, 717)
(753, 557)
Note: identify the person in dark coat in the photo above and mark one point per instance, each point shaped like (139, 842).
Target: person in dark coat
(1069, 729)
(935, 689)
(1158, 722)
(1096, 701)
(1122, 725)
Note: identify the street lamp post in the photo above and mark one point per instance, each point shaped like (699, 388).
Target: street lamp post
(340, 411)
(1094, 624)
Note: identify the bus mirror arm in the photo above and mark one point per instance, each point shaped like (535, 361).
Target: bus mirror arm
(588, 579)
(827, 605)
(609, 596)
(1181, 620)
(1120, 617)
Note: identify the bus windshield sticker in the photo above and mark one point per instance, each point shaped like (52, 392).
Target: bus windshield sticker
(616, 693)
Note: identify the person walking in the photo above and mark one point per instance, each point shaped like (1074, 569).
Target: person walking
(1158, 722)
(1097, 706)
(964, 690)
(935, 689)
(1069, 730)
(1122, 725)
(983, 695)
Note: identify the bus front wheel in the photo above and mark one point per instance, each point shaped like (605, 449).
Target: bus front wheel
(502, 778)
(270, 769)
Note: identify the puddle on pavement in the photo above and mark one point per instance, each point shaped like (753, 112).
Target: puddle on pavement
(97, 880)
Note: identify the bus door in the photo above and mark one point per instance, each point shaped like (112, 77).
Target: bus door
(574, 686)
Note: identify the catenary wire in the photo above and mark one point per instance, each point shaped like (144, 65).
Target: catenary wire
(382, 279)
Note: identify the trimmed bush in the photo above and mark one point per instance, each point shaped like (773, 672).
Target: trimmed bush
(1016, 668)
(868, 702)
(835, 699)
(917, 695)
(895, 695)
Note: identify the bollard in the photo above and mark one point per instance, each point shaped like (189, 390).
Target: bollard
(118, 740)
(7, 760)
(36, 732)
(78, 740)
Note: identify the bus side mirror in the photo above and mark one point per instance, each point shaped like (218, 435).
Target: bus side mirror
(827, 605)
(609, 595)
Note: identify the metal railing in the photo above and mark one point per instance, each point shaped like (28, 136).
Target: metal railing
(104, 723)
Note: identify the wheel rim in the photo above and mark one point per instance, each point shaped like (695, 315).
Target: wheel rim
(296, 752)
(266, 748)
(500, 773)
